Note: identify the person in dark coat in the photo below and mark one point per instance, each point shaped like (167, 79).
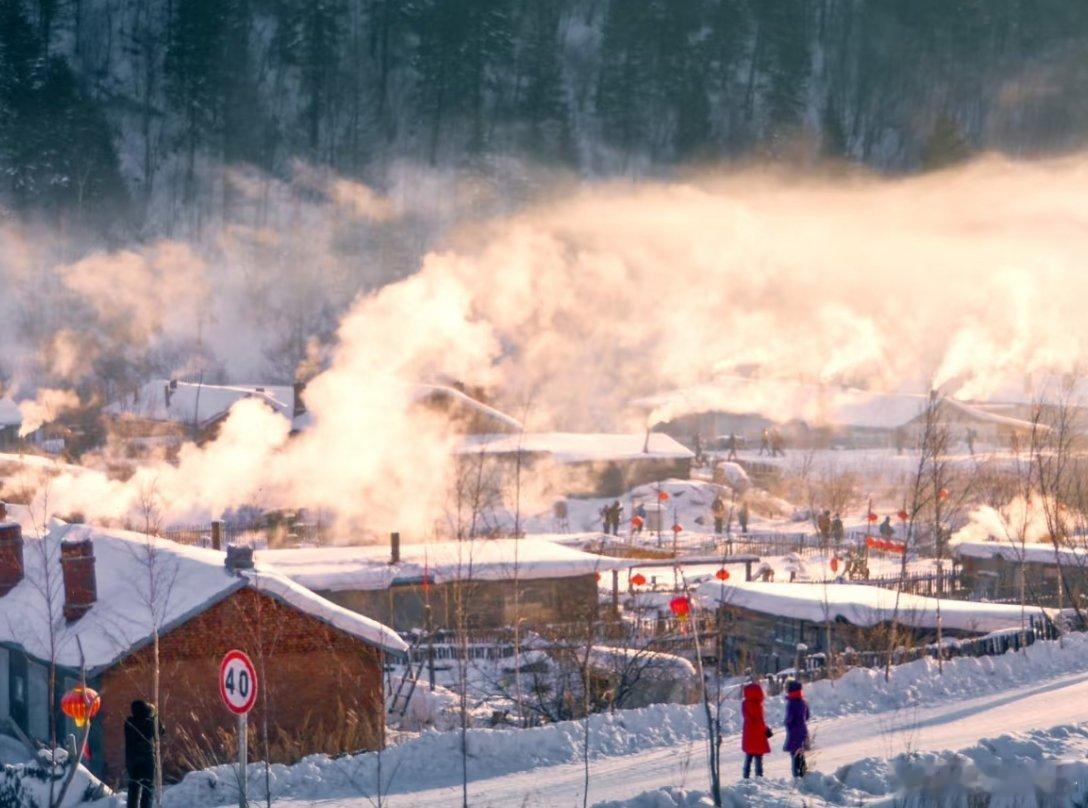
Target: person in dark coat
(742, 516)
(886, 529)
(140, 730)
(837, 531)
(717, 508)
(796, 727)
(753, 739)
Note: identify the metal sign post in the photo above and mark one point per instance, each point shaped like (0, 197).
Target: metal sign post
(238, 690)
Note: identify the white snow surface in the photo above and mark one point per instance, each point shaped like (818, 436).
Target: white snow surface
(187, 579)
(367, 567)
(854, 718)
(863, 605)
(579, 447)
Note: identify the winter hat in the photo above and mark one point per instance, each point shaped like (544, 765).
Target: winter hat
(793, 686)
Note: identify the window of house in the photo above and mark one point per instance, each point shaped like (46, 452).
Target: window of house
(37, 701)
(5, 683)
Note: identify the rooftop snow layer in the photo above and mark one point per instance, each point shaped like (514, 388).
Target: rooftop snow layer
(862, 605)
(10, 415)
(580, 447)
(815, 404)
(1031, 552)
(196, 404)
(189, 580)
(333, 569)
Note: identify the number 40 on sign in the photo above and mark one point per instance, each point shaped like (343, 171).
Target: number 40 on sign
(237, 682)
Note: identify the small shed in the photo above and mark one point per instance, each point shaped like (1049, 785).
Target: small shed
(992, 569)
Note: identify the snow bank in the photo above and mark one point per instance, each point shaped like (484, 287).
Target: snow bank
(433, 760)
(26, 785)
(579, 447)
(1039, 768)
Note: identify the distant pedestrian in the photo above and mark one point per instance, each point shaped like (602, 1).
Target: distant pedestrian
(796, 728)
(837, 531)
(900, 439)
(697, 442)
(141, 729)
(764, 442)
(823, 525)
(616, 512)
(640, 515)
(972, 436)
(886, 529)
(717, 509)
(778, 444)
(742, 516)
(732, 446)
(753, 739)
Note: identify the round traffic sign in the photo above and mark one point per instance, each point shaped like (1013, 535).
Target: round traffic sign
(238, 682)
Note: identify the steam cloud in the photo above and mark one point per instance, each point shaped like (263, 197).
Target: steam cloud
(971, 279)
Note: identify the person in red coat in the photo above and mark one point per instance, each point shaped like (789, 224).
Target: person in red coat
(753, 739)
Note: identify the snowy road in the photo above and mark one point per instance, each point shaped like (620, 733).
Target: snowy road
(839, 741)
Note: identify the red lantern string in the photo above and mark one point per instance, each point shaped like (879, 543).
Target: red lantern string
(722, 574)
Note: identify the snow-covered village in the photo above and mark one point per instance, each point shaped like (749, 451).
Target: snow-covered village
(651, 404)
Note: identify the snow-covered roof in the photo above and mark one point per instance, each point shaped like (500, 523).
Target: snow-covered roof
(188, 579)
(196, 404)
(332, 569)
(1031, 552)
(10, 414)
(579, 447)
(422, 392)
(861, 605)
(784, 400)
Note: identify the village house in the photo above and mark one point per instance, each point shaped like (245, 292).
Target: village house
(11, 421)
(992, 570)
(818, 415)
(585, 464)
(89, 599)
(762, 624)
(480, 584)
(167, 412)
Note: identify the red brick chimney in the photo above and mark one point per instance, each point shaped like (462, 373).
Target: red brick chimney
(11, 553)
(80, 588)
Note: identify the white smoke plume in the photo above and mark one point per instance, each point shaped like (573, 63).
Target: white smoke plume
(972, 278)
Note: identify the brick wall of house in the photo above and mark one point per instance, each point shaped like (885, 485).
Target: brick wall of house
(321, 688)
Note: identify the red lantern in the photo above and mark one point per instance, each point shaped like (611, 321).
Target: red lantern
(722, 574)
(870, 542)
(680, 606)
(872, 517)
(942, 494)
(81, 704)
(662, 496)
(834, 564)
(638, 579)
(677, 528)
(903, 515)
(636, 522)
(897, 547)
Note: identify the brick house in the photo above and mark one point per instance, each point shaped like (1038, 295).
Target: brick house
(496, 581)
(320, 666)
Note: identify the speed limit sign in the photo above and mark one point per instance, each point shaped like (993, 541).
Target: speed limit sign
(238, 682)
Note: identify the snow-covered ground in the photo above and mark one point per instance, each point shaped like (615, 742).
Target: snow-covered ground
(859, 721)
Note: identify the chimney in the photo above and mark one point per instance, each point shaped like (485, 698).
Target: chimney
(217, 534)
(80, 587)
(394, 548)
(11, 553)
(239, 558)
(300, 405)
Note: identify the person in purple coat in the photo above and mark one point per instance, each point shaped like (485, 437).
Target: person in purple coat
(796, 727)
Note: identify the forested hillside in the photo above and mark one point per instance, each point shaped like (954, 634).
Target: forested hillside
(120, 113)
